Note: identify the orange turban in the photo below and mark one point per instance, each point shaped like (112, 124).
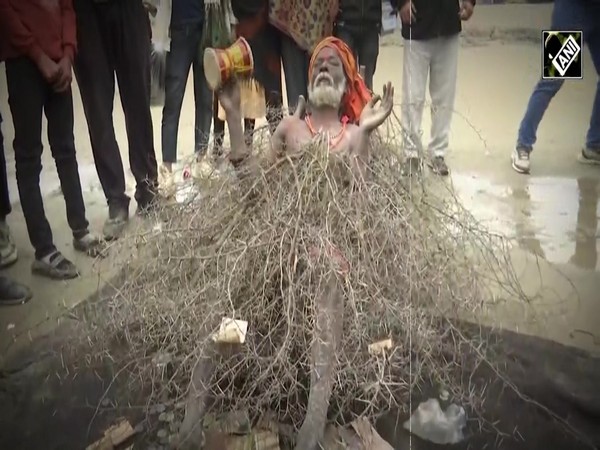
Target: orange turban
(357, 94)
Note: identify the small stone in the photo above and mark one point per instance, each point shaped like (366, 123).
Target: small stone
(444, 395)
(162, 417)
(162, 434)
(105, 402)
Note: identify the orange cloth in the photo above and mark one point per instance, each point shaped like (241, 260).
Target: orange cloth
(357, 94)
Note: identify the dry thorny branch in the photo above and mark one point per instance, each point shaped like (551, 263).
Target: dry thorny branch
(262, 246)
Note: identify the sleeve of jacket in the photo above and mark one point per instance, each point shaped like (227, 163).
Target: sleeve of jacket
(16, 33)
(69, 28)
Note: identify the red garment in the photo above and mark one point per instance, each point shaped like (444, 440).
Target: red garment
(34, 27)
(357, 93)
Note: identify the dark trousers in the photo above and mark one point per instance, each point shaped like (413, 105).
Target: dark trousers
(113, 38)
(183, 55)
(28, 96)
(567, 15)
(364, 42)
(295, 68)
(5, 207)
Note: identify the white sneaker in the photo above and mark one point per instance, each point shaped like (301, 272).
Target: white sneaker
(520, 160)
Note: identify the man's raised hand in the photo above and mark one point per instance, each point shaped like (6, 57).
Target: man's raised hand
(373, 116)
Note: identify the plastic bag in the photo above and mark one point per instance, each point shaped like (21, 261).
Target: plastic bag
(429, 422)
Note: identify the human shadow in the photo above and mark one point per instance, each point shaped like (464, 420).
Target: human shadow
(586, 241)
(524, 229)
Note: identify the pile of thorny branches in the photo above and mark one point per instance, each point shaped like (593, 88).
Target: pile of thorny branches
(320, 267)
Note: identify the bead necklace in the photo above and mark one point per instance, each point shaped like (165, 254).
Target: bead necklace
(333, 141)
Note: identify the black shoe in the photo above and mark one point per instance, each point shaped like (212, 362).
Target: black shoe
(118, 216)
(438, 166)
(412, 166)
(13, 293)
(147, 206)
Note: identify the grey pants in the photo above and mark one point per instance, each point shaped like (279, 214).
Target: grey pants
(436, 59)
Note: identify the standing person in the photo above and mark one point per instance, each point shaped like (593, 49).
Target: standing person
(358, 24)
(431, 31)
(187, 21)
(41, 46)
(567, 15)
(114, 39)
(302, 25)
(11, 292)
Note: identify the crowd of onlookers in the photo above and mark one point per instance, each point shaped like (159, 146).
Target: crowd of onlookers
(44, 42)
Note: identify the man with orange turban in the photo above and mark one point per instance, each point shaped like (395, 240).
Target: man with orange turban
(340, 109)
(342, 113)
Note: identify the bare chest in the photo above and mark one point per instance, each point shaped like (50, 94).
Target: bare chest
(301, 137)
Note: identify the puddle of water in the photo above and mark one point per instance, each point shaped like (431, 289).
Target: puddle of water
(555, 218)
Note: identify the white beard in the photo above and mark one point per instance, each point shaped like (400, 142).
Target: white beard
(324, 94)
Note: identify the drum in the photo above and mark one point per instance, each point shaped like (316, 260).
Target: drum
(220, 65)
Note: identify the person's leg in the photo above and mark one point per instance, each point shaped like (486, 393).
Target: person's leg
(295, 66)
(59, 112)
(5, 206)
(131, 44)
(442, 88)
(249, 125)
(96, 81)
(368, 52)
(27, 91)
(8, 250)
(417, 57)
(591, 151)
(566, 15)
(203, 98)
(179, 62)
(270, 42)
(274, 104)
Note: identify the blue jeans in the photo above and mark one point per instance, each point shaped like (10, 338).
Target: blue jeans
(567, 15)
(183, 55)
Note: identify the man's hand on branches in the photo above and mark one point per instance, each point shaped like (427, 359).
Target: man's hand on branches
(373, 116)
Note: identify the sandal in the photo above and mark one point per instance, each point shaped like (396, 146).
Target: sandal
(55, 266)
(89, 244)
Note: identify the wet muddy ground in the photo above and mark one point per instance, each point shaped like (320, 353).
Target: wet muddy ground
(49, 404)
